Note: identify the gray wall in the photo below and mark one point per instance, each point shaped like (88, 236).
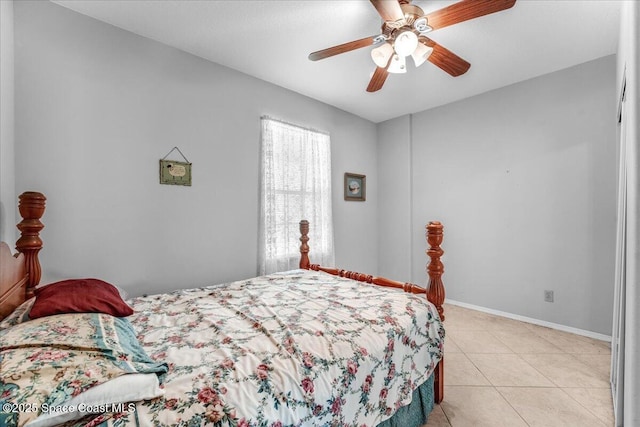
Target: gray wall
(97, 107)
(524, 180)
(7, 144)
(394, 192)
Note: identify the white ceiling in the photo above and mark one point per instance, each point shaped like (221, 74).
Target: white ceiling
(272, 39)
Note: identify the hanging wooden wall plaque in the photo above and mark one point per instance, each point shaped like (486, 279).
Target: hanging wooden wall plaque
(173, 172)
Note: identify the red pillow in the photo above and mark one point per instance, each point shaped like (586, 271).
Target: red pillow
(79, 296)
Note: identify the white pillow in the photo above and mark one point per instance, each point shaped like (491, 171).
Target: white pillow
(120, 390)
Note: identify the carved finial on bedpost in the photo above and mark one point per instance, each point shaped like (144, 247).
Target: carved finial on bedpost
(31, 206)
(304, 248)
(435, 292)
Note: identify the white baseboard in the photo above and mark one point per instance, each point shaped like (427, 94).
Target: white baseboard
(551, 325)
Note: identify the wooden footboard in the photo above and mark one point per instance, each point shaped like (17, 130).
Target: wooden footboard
(435, 291)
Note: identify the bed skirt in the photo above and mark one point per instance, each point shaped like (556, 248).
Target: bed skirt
(417, 412)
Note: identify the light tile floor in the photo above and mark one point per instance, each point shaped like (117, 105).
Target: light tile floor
(502, 372)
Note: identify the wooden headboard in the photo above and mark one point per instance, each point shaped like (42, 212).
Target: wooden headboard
(20, 274)
(13, 280)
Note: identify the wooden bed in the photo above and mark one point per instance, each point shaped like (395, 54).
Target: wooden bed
(20, 274)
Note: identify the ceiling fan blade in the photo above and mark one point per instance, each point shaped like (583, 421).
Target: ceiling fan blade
(389, 10)
(378, 79)
(445, 59)
(465, 10)
(342, 48)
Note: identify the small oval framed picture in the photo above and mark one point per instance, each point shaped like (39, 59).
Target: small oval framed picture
(355, 186)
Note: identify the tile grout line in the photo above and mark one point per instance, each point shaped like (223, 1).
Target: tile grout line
(512, 407)
(579, 403)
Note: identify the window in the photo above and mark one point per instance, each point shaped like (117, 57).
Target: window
(295, 185)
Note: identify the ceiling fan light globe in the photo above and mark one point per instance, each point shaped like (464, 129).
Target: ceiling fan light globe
(405, 43)
(421, 54)
(381, 55)
(398, 65)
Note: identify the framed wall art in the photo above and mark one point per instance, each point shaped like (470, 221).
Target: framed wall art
(173, 172)
(355, 187)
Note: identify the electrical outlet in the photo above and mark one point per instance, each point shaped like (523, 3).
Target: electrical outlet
(548, 296)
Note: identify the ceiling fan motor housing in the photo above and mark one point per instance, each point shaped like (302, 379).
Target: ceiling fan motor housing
(414, 20)
(411, 13)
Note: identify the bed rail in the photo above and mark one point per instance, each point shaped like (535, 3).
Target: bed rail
(435, 290)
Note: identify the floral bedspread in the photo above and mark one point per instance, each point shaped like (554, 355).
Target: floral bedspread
(300, 348)
(46, 361)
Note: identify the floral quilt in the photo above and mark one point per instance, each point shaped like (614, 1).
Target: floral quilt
(47, 361)
(299, 348)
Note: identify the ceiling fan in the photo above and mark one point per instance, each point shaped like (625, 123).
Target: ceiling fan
(404, 34)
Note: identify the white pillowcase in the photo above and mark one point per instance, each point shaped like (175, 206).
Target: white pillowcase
(120, 390)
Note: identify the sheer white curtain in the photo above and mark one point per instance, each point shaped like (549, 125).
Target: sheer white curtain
(295, 185)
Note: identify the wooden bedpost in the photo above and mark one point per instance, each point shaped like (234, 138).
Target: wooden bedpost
(304, 247)
(435, 294)
(31, 206)
(435, 291)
